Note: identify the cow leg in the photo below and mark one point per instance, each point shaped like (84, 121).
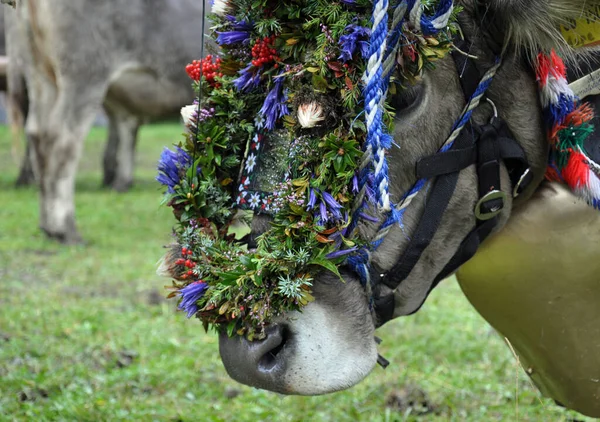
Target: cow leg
(26, 173)
(110, 152)
(57, 132)
(119, 155)
(18, 105)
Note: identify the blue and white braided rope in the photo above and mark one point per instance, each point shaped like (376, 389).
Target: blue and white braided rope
(382, 56)
(377, 141)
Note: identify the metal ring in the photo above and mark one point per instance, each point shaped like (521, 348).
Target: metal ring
(521, 179)
(495, 194)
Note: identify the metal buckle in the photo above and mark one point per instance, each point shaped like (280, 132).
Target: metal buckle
(495, 194)
(516, 192)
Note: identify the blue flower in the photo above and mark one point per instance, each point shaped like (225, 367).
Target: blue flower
(240, 33)
(323, 212)
(190, 295)
(172, 166)
(239, 25)
(350, 41)
(232, 37)
(329, 209)
(275, 104)
(340, 253)
(249, 79)
(312, 200)
(348, 2)
(332, 205)
(355, 184)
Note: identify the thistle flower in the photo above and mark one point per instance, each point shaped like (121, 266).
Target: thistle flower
(350, 42)
(275, 106)
(220, 7)
(190, 295)
(172, 166)
(189, 116)
(249, 79)
(310, 114)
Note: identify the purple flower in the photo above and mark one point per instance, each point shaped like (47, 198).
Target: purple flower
(172, 166)
(312, 200)
(206, 113)
(348, 2)
(368, 217)
(249, 79)
(239, 26)
(355, 184)
(338, 254)
(331, 202)
(323, 212)
(350, 41)
(275, 106)
(190, 295)
(232, 37)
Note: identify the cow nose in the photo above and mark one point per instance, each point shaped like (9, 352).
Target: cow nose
(258, 363)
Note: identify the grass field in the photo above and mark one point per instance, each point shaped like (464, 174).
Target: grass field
(86, 335)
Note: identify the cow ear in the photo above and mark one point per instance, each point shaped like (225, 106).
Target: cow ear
(539, 25)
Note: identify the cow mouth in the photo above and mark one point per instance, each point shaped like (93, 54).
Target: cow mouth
(259, 363)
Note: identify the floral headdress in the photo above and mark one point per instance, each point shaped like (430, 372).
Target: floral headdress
(286, 115)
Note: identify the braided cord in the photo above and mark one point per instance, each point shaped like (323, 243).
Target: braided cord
(377, 140)
(373, 169)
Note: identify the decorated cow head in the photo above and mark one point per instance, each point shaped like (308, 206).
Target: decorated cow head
(344, 157)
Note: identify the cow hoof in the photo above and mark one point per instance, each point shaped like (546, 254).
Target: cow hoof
(26, 178)
(70, 237)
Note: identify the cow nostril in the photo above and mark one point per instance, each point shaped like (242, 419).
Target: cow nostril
(269, 360)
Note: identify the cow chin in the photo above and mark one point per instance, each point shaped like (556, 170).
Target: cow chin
(329, 346)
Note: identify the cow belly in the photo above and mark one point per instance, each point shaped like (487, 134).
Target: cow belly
(143, 94)
(538, 283)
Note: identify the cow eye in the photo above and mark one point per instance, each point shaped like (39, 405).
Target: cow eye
(406, 99)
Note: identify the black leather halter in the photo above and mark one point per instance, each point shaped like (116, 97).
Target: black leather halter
(485, 146)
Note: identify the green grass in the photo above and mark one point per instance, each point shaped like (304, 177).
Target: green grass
(85, 334)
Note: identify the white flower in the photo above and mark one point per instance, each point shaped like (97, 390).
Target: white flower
(188, 113)
(310, 114)
(220, 7)
(250, 162)
(254, 200)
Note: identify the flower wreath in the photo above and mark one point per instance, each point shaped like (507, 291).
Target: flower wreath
(291, 120)
(301, 66)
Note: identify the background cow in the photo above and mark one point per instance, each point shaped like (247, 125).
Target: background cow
(127, 56)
